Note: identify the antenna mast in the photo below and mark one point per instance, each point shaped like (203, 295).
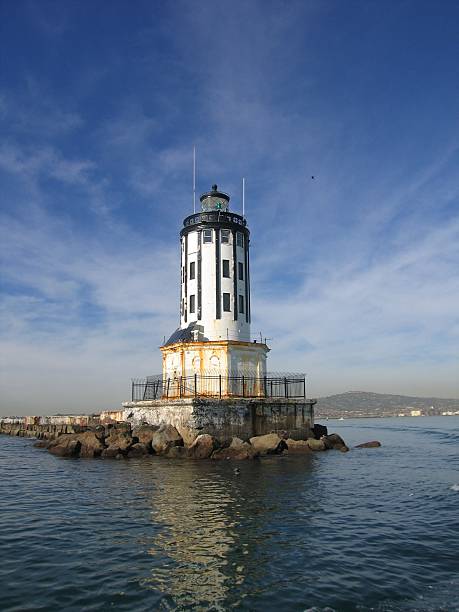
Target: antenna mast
(243, 197)
(194, 179)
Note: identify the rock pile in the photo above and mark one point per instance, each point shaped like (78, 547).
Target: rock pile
(119, 441)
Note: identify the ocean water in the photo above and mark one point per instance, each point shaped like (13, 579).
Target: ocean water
(372, 529)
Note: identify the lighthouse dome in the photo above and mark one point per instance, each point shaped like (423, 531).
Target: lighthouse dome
(214, 200)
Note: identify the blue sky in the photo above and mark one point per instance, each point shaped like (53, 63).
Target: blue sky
(354, 273)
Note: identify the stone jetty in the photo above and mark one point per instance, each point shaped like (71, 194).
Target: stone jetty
(87, 437)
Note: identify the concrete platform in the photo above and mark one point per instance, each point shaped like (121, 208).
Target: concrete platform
(226, 418)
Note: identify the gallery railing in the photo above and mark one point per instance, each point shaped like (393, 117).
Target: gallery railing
(282, 385)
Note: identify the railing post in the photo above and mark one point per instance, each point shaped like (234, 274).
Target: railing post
(286, 387)
(167, 388)
(195, 384)
(180, 387)
(220, 386)
(304, 388)
(132, 391)
(243, 386)
(264, 387)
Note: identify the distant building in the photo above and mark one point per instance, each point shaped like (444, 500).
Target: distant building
(416, 413)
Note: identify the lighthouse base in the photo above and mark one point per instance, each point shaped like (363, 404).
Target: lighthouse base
(214, 357)
(226, 418)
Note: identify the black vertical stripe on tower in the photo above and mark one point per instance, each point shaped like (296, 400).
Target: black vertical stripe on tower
(247, 280)
(218, 305)
(199, 276)
(181, 280)
(185, 279)
(236, 305)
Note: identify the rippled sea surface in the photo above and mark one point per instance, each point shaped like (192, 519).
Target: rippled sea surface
(373, 529)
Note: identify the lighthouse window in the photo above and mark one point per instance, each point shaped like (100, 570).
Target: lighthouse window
(226, 302)
(239, 239)
(241, 304)
(226, 269)
(225, 236)
(208, 235)
(192, 303)
(241, 272)
(192, 270)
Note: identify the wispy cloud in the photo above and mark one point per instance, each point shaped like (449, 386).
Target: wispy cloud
(36, 162)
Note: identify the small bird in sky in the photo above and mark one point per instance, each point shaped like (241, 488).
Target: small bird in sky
(313, 177)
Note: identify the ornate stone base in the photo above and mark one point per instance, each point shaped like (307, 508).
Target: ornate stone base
(188, 358)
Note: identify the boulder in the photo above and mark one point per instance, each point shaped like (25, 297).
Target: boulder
(111, 452)
(237, 442)
(164, 438)
(319, 431)
(177, 452)
(65, 446)
(372, 444)
(202, 447)
(316, 445)
(91, 446)
(122, 426)
(268, 444)
(145, 433)
(236, 452)
(336, 442)
(298, 446)
(138, 450)
(119, 439)
(100, 432)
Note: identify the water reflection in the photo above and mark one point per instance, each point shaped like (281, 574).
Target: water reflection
(215, 528)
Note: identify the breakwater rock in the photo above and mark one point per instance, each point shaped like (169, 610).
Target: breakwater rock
(372, 444)
(122, 440)
(45, 428)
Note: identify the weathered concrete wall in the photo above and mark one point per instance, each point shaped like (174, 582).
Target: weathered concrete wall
(112, 416)
(224, 419)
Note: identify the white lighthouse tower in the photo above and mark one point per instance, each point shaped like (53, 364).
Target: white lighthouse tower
(214, 333)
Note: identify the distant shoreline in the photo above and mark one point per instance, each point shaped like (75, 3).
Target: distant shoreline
(385, 416)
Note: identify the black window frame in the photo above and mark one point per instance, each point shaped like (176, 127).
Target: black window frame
(225, 236)
(240, 270)
(241, 304)
(226, 268)
(210, 233)
(192, 309)
(192, 270)
(226, 302)
(240, 239)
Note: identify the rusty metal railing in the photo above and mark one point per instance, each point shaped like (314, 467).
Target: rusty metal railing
(219, 386)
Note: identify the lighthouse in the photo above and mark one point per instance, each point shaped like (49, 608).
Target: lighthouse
(215, 307)
(214, 378)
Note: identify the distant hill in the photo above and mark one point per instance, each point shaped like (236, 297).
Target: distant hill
(363, 403)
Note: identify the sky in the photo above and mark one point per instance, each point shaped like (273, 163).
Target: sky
(355, 272)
